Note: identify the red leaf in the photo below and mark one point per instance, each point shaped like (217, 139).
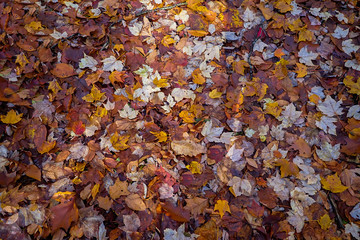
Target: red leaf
(64, 214)
(78, 127)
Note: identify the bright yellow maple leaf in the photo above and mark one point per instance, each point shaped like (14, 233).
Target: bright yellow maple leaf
(301, 70)
(94, 95)
(101, 112)
(119, 141)
(283, 5)
(215, 94)
(222, 206)
(11, 117)
(187, 116)
(21, 60)
(333, 184)
(354, 86)
(33, 26)
(324, 222)
(194, 167)
(161, 136)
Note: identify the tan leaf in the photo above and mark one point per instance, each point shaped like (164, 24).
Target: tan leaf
(118, 189)
(187, 147)
(135, 202)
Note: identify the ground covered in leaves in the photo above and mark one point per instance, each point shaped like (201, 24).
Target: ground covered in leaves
(154, 119)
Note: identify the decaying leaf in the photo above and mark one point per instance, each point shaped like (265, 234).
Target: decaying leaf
(187, 147)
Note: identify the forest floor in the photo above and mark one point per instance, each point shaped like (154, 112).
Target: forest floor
(194, 119)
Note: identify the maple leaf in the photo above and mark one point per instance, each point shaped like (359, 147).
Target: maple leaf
(120, 188)
(11, 117)
(339, 32)
(353, 229)
(57, 35)
(354, 111)
(289, 116)
(328, 152)
(187, 116)
(222, 206)
(128, 112)
(179, 234)
(46, 147)
(327, 124)
(197, 77)
(273, 108)
(161, 136)
(307, 57)
(94, 95)
(196, 205)
(88, 62)
(324, 222)
(78, 127)
(333, 184)
(301, 70)
(119, 141)
(330, 107)
(111, 64)
(348, 47)
(287, 168)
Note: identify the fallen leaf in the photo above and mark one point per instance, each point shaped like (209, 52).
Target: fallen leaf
(222, 206)
(11, 117)
(333, 184)
(63, 70)
(134, 202)
(324, 222)
(187, 147)
(118, 189)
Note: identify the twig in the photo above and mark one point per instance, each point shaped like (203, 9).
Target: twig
(162, 8)
(337, 215)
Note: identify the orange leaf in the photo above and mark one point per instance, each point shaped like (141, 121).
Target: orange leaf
(303, 147)
(117, 76)
(94, 95)
(333, 184)
(222, 206)
(33, 172)
(273, 108)
(305, 35)
(197, 77)
(239, 67)
(78, 127)
(161, 136)
(46, 147)
(187, 116)
(119, 141)
(287, 168)
(197, 33)
(301, 70)
(279, 53)
(63, 70)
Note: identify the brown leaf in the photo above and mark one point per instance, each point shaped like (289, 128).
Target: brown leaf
(177, 213)
(134, 202)
(303, 148)
(196, 205)
(63, 214)
(63, 70)
(118, 189)
(187, 147)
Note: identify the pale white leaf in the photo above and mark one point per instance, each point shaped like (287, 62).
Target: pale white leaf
(353, 229)
(352, 64)
(354, 111)
(328, 152)
(339, 32)
(166, 191)
(179, 94)
(58, 35)
(348, 46)
(135, 28)
(88, 62)
(307, 57)
(259, 46)
(235, 154)
(289, 116)
(330, 107)
(128, 112)
(111, 64)
(327, 124)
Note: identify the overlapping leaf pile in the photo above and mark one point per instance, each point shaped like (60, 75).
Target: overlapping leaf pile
(157, 119)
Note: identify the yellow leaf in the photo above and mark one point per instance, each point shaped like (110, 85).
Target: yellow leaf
(305, 35)
(239, 67)
(162, 82)
(119, 47)
(33, 26)
(296, 25)
(273, 108)
(215, 94)
(197, 77)
(283, 5)
(354, 86)
(46, 147)
(267, 12)
(197, 33)
(314, 98)
(11, 117)
(325, 222)
(187, 116)
(301, 70)
(167, 41)
(193, 4)
(95, 190)
(287, 168)
(197, 109)
(101, 112)
(222, 206)
(119, 141)
(194, 167)
(54, 86)
(161, 136)
(180, 27)
(333, 184)
(21, 60)
(94, 95)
